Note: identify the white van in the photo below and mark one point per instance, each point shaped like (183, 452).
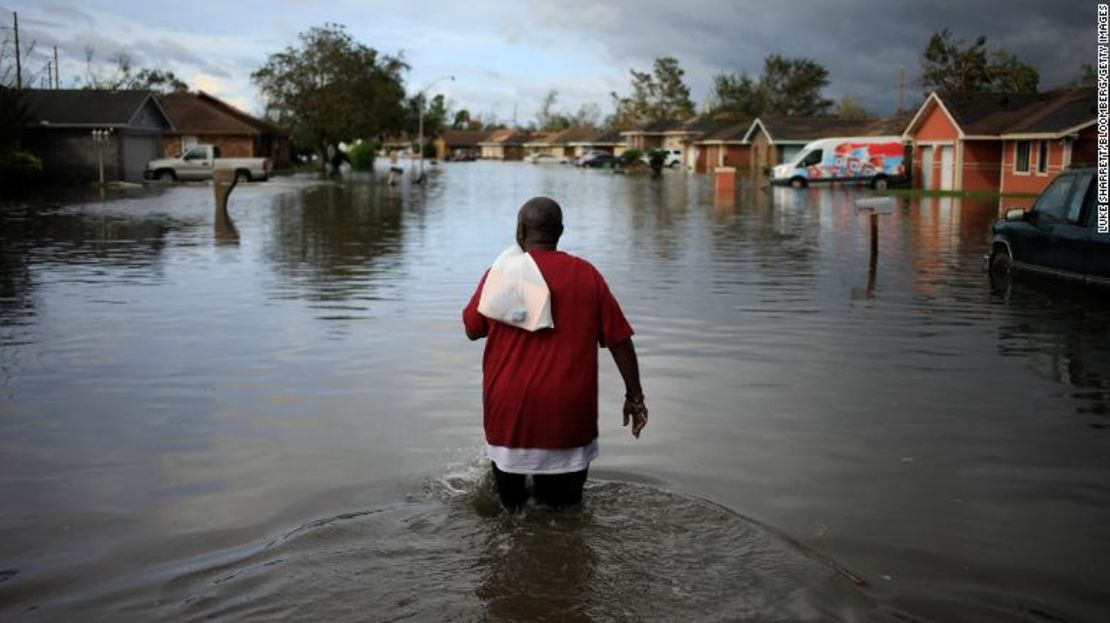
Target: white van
(877, 160)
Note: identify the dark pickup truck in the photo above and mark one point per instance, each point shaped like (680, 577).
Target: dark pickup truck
(1058, 237)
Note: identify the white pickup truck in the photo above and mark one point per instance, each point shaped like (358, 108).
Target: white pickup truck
(197, 164)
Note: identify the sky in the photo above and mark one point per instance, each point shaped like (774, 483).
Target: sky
(505, 56)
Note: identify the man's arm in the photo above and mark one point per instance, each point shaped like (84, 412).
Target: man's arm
(624, 355)
(475, 324)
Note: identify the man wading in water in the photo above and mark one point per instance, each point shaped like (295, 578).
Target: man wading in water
(539, 388)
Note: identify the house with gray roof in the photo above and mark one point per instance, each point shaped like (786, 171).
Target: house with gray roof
(1001, 142)
(62, 126)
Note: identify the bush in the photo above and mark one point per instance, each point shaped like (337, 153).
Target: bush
(17, 166)
(361, 155)
(630, 156)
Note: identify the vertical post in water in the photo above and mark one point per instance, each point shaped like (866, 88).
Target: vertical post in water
(873, 265)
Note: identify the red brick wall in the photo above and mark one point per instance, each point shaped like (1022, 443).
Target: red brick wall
(231, 145)
(982, 165)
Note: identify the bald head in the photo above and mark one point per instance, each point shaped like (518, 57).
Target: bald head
(539, 223)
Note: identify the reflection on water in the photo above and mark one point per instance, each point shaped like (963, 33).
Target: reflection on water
(631, 552)
(180, 386)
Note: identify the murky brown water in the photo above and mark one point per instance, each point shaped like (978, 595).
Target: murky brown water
(279, 417)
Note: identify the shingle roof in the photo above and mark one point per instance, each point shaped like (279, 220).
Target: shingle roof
(705, 124)
(193, 114)
(804, 129)
(611, 137)
(989, 113)
(506, 137)
(997, 114)
(1071, 108)
(84, 107)
(729, 134)
(662, 125)
(463, 138)
(573, 135)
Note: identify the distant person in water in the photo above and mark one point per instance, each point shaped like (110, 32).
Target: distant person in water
(540, 388)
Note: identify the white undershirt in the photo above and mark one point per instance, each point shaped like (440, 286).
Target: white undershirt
(542, 460)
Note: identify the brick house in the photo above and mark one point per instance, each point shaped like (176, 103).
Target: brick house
(504, 145)
(724, 148)
(649, 136)
(459, 144)
(999, 142)
(63, 121)
(1061, 133)
(203, 118)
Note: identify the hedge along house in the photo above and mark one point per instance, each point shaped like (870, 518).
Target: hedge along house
(1061, 133)
(200, 118)
(776, 139)
(63, 123)
(998, 142)
(725, 148)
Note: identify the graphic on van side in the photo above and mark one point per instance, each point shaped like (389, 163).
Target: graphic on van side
(850, 160)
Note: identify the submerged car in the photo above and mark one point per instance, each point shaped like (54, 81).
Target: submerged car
(541, 158)
(1059, 237)
(602, 161)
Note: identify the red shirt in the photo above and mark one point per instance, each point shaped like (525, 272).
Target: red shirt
(539, 390)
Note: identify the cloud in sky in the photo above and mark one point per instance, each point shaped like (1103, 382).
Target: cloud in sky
(506, 55)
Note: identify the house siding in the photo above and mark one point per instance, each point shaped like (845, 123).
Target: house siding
(1033, 182)
(982, 161)
(718, 155)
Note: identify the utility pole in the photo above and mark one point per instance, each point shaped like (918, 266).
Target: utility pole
(57, 81)
(901, 88)
(18, 63)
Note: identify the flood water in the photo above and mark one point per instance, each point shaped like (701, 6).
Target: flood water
(280, 417)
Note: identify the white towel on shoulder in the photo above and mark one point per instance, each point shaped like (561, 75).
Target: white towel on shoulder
(515, 292)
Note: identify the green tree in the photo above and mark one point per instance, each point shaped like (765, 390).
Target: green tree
(1087, 76)
(739, 94)
(788, 86)
(850, 108)
(548, 119)
(461, 120)
(949, 64)
(332, 89)
(361, 155)
(657, 95)
(792, 86)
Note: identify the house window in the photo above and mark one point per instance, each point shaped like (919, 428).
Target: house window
(1021, 160)
(1042, 156)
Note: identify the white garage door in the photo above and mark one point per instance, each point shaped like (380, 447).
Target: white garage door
(927, 167)
(137, 151)
(946, 168)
